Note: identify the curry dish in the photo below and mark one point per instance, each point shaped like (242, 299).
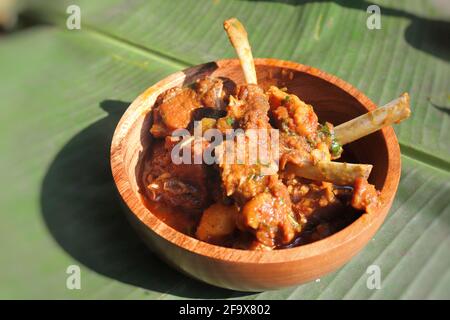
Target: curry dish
(296, 195)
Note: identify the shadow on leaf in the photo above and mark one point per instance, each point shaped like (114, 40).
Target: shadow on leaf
(427, 35)
(81, 209)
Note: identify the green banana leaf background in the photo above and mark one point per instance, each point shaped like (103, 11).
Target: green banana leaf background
(63, 91)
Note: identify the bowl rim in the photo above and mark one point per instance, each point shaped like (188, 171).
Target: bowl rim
(195, 246)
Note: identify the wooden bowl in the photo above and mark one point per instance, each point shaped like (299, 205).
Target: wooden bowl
(334, 100)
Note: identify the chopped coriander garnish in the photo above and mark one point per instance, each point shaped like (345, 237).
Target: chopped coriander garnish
(229, 121)
(335, 148)
(325, 130)
(286, 98)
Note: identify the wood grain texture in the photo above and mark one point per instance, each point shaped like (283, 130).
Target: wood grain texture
(334, 100)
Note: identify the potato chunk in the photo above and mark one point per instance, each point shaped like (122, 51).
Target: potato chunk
(217, 223)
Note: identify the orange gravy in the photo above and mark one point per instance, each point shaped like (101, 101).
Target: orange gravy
(180, 221)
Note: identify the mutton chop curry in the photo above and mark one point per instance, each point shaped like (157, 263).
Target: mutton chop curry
(290, 197)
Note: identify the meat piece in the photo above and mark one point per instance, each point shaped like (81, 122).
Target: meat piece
(254, 115)
(300, 141)
(214, 92)
(294, 149)
(175, 108)
(270, 216)
(263, 199)
(183, 186)
(243, 182)
(217, 224)
(365, 196)
(312, 200)
(177, 112)
(322, 206)
(243, 177)
(298, 150)
(292, 114)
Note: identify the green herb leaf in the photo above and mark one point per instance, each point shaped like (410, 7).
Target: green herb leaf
(325, 130)
(335, 148)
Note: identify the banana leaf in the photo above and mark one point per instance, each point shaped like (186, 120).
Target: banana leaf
(63, 91)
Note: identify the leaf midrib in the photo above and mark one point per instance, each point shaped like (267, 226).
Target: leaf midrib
(57, 19)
